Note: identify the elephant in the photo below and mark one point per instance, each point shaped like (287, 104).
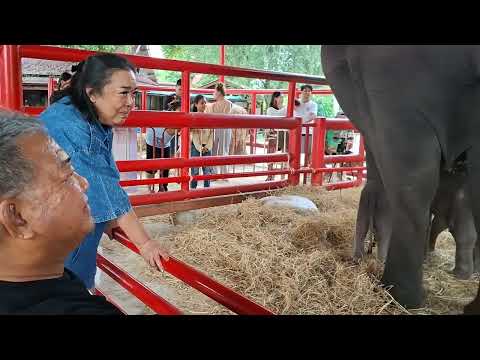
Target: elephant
(417, 108)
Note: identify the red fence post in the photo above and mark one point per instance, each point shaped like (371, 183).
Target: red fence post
(185, 132)
(50, 89)
(318, 150)
(11, 77)
(295, 140)
(361, 152)
(222, 61)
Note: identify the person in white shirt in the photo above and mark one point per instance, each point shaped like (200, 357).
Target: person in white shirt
(307, 110)
(159, 145)
(277, 142)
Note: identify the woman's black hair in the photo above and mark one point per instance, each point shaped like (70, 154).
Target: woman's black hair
(64, 77)
(275, 95)
(94, 72)
(174, 105)
(196, 100)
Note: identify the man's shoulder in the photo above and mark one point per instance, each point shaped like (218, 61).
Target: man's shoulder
(62, 296)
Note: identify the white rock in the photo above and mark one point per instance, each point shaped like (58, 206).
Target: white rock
(186, 217)
(300, 204)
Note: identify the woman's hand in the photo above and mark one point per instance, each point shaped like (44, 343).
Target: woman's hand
(152, 252)
(112, 224)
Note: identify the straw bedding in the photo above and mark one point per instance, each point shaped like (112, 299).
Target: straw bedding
(288, 262)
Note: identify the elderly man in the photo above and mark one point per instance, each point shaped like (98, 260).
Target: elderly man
(44, 216)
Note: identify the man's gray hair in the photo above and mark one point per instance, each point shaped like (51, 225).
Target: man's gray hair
(16, 172)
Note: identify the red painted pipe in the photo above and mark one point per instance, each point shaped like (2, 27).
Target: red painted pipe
(335, 124)
(185, 132)
(156, 164)
(318, 151)
(144, 294)
(240, 175)
(33, 110)
(340, 169)
(158, 198)
(146, 62)
(169, 180)
(11, 77)
(343, 158)
(110, 300)
(230, 91)
(197, 120)
(344, 185)
(206, 285)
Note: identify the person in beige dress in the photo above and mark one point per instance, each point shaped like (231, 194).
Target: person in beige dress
(222, 137)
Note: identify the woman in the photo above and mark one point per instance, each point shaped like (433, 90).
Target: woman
(222, 137)
(276, 109)
(201, 142)
(162, 148)
(100, 96)
(238, 144)
(63, 83)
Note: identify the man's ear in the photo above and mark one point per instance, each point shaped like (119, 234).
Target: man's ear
(12, 220)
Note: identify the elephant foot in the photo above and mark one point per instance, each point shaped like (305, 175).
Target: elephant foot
(473, 308)
(409, 298)
(461, 274)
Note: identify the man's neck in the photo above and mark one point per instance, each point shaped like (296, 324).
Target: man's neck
(21, 273)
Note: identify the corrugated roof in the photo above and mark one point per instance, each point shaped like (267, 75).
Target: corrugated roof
(37, 71)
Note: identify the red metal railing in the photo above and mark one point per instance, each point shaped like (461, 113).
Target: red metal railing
(11, 95)
(213, 289)
(144, 294)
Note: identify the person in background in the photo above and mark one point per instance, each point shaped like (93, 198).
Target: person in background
(62, 84)
(44, 216)
(176, 96)
(100, 96)
(201, 142)
(277, 141)
(238, 144)
(222, 137)
(163, 148)
(307, 110)
(64, 81)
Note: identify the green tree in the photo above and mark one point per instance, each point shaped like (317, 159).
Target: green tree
(285, 58)
(104, 48)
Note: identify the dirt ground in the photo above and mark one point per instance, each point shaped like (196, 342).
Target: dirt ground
(193, 244)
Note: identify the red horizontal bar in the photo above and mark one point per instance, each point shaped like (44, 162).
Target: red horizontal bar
(344, 185)
(140, 291)
(340, 169)
(109, 299)
(234, 91)
(343, 158)
(33, 110)
(173, 163)
(336, 124)
(63, 54)
(168, 180)
(171, 119)
(240, 175)
(162, 197)
(206, 285)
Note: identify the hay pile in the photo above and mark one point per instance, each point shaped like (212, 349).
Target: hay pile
(290, 263)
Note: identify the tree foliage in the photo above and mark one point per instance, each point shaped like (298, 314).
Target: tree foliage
(103, 48)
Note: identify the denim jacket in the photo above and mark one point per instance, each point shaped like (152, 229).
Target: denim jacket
(89, 146)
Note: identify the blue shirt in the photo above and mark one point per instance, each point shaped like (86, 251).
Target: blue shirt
(162, 138)
(89, 145)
